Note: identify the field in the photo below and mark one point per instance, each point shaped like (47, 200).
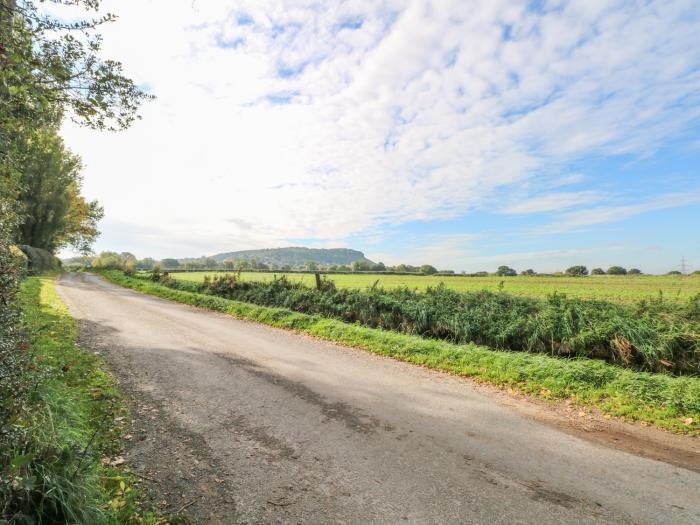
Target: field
(623, 289)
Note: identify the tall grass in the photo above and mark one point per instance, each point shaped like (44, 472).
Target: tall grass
(650, 336)
(51, 471)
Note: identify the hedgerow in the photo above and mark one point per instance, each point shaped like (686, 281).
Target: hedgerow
(650, 336)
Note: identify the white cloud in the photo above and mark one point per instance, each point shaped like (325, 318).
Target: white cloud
(604, 214)
(558, 201)
(398, 111)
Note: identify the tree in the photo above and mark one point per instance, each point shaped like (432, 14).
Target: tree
(52, 67)
(634, 271)
(114, 260)
(46, 72)
(228, 264)
(427, 269)
(145, 264)
(311, 266)
(597, 271)
(170, 264)
(616, 270)
(577, 270)
(529, 271)
(194, 265)
(54, 214)
(360, 266)
(379, 267)
(506, 271)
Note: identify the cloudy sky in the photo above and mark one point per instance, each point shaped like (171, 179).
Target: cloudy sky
(459, 133)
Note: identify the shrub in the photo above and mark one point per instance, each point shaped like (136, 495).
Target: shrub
(577, 270)
(674, 272)
(634, 271)
(529, 271)
(39, 260)
(597, 271)
(616, 270)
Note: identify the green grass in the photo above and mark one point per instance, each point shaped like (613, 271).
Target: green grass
(76, 421)
(669, 402)
(624, 288)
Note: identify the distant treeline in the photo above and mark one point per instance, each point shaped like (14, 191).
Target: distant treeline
(127, 261)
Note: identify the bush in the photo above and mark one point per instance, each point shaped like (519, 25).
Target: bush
(616, 270)
(597, 271)
(577, 270)
(634, 271)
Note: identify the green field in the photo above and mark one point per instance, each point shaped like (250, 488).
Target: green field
(625, 288)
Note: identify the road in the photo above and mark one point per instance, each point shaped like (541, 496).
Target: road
(243, 423)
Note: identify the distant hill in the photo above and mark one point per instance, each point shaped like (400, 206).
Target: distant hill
(295, 256)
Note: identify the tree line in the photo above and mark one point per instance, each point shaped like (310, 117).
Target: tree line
(50, 70)
(129, 262)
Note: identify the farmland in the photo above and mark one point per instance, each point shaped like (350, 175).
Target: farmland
(622, 289)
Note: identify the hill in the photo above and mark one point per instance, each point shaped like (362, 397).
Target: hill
(295, 256)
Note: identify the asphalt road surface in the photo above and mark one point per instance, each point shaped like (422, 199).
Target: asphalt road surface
(242, 423)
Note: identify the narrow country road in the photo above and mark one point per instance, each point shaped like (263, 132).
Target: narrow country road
(242, 423)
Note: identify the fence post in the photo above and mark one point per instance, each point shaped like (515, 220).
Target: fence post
(318, 280)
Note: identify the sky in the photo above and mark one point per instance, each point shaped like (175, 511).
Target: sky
(461, 134)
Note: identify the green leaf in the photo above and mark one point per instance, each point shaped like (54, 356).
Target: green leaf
(21, 461)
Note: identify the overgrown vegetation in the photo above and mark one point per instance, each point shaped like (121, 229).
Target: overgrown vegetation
(61, 426)
(669, 402)
(652, 336)
(49, 69)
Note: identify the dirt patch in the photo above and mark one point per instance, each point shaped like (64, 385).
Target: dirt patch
(178, 470)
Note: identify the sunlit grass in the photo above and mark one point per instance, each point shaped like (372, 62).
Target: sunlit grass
(58, 474)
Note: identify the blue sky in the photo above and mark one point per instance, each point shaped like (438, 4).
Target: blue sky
(465, 135)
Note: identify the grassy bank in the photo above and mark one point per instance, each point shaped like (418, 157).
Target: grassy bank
(669, 402)
(58, 468)
(652, 336)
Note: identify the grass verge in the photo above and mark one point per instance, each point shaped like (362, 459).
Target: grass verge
(672, 403)
(66, 469)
